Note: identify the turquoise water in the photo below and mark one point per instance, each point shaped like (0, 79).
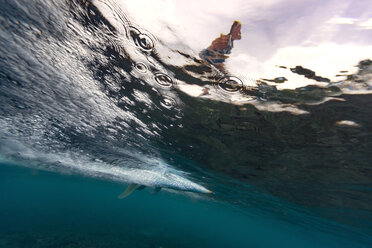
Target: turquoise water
(41, 209)
(90, 102)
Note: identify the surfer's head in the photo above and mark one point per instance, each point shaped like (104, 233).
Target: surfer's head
(235, 30)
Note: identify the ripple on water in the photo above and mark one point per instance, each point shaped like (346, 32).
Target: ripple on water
(230, 84)
(142, 40)
(163, 80)
(141, 67)
(168, 102)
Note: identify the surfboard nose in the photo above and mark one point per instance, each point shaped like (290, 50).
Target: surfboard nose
(206, 191)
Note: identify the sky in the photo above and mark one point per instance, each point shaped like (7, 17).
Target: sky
(326, 36)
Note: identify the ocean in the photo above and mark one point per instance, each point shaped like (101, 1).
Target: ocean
(93, 100)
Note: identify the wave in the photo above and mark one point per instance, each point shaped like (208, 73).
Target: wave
(83, 89)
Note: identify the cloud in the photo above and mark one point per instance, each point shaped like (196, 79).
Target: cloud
(367, 24)
(342, 20)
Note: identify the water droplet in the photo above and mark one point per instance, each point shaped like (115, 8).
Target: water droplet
(163, 80)
(141, 67)
(230, 84)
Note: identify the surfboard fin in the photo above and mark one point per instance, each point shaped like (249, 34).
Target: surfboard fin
(132, 187)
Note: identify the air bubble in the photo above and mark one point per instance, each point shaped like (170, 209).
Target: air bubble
(230, 84)
(163, 80)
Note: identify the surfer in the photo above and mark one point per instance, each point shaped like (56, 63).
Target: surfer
(216, 53)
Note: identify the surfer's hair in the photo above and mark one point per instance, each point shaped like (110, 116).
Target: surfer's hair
(235, 24)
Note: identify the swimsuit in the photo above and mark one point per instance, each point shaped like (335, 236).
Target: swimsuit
(213, 56)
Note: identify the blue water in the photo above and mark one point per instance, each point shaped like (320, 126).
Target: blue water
(42, 209)
(90, 102)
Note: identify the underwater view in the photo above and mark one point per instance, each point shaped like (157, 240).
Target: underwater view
(169, 123)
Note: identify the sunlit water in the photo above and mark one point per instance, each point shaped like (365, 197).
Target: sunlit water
(95, 94)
